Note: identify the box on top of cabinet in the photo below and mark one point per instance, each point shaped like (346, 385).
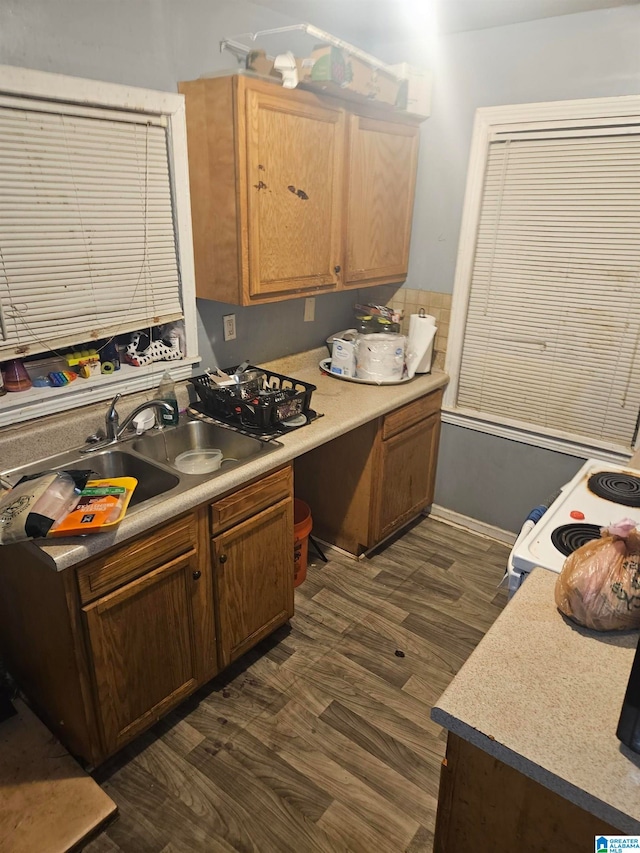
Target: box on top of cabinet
(340, 73)
(336, 72)
(416, 95)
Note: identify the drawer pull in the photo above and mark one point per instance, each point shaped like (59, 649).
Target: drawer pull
(223, 558)
(196, 575)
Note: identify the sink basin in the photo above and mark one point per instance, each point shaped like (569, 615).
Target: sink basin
(165, 445)
(152, 480)
(150, 459)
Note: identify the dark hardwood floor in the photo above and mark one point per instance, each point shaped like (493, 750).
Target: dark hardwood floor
(319, 739)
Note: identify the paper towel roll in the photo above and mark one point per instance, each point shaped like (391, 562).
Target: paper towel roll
(422, 331)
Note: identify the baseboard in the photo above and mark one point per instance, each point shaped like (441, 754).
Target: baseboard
(456, 519)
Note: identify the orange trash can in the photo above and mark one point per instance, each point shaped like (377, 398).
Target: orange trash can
(302, 524)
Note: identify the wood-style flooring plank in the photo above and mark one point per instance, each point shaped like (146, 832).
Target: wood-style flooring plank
(296, 721)
(390, 825)
(104, 844)
(320, 738)
(395, 713)
(293, 787)
(389, 749)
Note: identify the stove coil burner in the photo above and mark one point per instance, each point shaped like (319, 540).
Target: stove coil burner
(617, 487)
(569, 537)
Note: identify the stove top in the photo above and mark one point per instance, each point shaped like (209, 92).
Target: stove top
(618, 487)
(600, 494)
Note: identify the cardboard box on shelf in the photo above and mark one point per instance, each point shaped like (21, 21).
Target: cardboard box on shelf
(416, 95)
(338, 72)
(258, 62)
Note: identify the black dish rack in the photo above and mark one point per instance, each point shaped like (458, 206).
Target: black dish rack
(282, 398)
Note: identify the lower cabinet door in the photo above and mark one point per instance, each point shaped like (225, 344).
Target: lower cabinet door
(142, 642)
(253, 567)
(406, 481)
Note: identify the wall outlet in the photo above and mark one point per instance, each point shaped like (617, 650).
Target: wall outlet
(229, 327)
(309, 309)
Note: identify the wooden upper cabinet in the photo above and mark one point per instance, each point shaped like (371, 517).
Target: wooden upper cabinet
(288, 188)
(293, 193)
(382, 162)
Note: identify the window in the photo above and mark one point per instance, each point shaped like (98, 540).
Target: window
(545, 341)
(95, 229)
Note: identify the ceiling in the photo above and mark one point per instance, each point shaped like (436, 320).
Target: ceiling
(367, 22)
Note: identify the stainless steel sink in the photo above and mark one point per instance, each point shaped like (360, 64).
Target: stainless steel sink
(110, 462)
(165, 445)
(152, 480)
(150, 459)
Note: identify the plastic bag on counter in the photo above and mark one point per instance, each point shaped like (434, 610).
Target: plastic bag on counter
(31, 508)
(599, 585)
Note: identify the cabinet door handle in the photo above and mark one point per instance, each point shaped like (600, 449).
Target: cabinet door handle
(223, 558)
(196, 575)
(337, 269)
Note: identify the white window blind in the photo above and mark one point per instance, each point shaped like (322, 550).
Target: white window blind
(87, 242)
(552, 335)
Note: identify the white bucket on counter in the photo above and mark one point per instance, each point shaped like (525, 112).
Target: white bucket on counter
(380, 356)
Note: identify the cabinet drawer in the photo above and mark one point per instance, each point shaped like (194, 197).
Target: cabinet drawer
(124, 564)
(410, 414)
(245, 502)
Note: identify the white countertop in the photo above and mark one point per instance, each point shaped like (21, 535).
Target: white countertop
(544, 696)
(344, 406)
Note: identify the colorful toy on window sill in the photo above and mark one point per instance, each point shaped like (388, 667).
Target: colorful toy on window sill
(143, 349)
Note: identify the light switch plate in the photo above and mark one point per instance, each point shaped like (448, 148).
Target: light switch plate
(309, 309)
(229, 327)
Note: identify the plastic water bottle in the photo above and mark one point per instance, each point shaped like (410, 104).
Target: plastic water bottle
(167, 392)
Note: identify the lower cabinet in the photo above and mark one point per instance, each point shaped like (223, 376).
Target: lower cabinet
(368, 483)
(106, 648)
(486, 806)
(253, 583)
(142, 643)
(253, 560)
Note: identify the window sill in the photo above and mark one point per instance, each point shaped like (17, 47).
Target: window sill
(503, 428)
(36, 402)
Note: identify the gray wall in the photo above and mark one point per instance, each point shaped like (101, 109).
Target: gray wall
(155, 43)
(588, 55)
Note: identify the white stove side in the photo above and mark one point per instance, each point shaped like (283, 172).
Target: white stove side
(535, 547)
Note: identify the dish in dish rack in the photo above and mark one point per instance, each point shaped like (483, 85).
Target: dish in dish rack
(325, 366)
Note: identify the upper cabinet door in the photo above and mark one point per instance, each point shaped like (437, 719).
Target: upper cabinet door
(294, 193)
(382, 164)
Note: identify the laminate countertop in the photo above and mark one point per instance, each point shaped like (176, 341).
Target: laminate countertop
(343, 405)
(544, 696)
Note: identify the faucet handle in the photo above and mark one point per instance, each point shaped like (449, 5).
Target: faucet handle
(112, 420)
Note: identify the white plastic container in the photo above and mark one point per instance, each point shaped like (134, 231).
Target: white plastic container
(343, 357)
(202, 461)
(380, 356)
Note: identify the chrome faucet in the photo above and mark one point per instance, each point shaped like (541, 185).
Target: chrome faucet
(115, 431)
